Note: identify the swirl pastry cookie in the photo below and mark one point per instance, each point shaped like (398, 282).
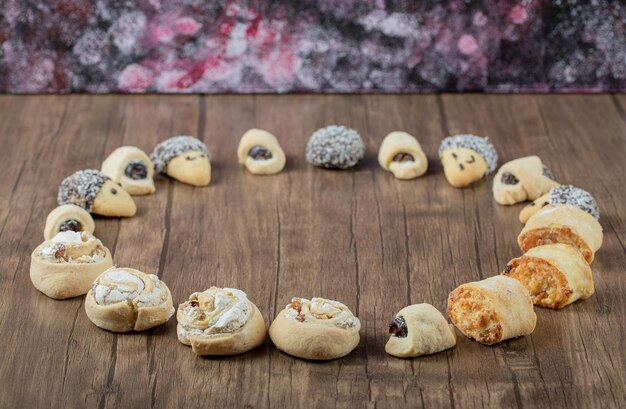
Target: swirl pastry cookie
(335, 147)
(97, 193)
(492, 310)
(125, 299)
(522, 179)
(66, 265)
(555, 274)
(402, 155)
(317, 329)
(220, 321)
(131, 168)
(562, 223)
(68, 218)
(418, 330)
(183, 158)
(563, 194)
(261, 153)
(467, 159)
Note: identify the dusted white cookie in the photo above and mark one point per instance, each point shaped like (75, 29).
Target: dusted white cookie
(183, 158)
(522, 179)
(401, 154)
(260, 152)
(418, 330)
(492, 310)
(68, 218)
(467, 158)
(317, 329)
(131, 168)
(66, 265)
(563, 194)
(555, 274)
(220, 321)
(125, 299)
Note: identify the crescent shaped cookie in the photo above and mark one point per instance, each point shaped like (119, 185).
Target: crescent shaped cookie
(261, 153)
(401, 154)
(66, 265)
(316, 329)
(131, 168)
(565, 224)
(220, 321)
(125, 299)
(563, 194)
(96, 193)
(522, 179)
(183, 158)
(418, 330)
(555, 274)
(68, 218)
(467, 158)
(492, 310)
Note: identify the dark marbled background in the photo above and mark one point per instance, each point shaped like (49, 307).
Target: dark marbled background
(312, 46)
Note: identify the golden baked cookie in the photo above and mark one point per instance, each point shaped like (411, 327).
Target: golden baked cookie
(183, 158)
(522, 179)
(261, 153)
(401, 154)
(467, 159)
(68, 218)
(131, 168)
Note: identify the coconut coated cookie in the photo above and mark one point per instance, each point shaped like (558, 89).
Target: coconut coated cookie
(131, 168)
(522, 179)
(183, 158)
(467, 159)
(401, 154)
(261, 153)
(335, 147)
(563, 194)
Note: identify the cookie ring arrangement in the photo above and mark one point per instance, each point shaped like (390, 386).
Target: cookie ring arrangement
(559, 240)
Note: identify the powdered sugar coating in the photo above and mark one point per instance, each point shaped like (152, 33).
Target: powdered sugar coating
(571, 195)
(478, 144)
(81, 188)
(172, 147)
(335, 146)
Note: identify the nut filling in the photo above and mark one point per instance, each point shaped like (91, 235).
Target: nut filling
(547, 285)
(564, 235)
(71, 225)
(72, 247)
(473, 315)
(136, 170)
(398, 328)
(509, 179)
(403, 157)
(321, 310)
(260, 153)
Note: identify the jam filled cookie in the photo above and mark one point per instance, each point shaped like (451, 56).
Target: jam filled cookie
(220, 321)
(563, 194)
(66, 265)
(97, 193)
(125, 299)
(131, 168)
(555, 274)
(402, 155)
(183, 158)
(317, 329)
(260, 152)
(467, 159)
(68, 218)
(562, 223)
(492, 310)
(417, 330)
(522, 179)
(335, 147)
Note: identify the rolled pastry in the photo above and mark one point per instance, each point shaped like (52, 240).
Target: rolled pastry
(220, 321)
(97, 193)
(565, 224)
(68, 218)
(260, 152)
(492, 310)
(467, 159)
(317, 329)
(131, 168)
(183, 158)
(402, 155)
(66, 265)
(125, 299)
(563, 194)
(522, 179)
(417, 330)
(555, 274)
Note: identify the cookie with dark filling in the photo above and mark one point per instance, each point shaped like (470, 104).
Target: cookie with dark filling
(401, 154)
(522, 179)
(68, 217)
(131, 168)
(260, 152)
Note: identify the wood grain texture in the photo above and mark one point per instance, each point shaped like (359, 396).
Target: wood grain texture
(360, 236)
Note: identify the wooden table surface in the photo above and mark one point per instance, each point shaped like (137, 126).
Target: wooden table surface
(359, 236)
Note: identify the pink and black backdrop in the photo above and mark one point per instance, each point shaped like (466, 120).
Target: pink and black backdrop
(49, 46)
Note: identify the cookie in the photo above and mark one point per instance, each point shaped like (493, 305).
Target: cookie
(467, 159)
(402, 155)
(418, 330)
(68, 218)
(260, 152)
(563, 194)
(96, 193)
(522, 179)
(220, 321)
(335, 147)
(125, 299)
(131, 168)
(183, 158)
